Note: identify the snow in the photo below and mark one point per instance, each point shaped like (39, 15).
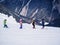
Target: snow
(46, 23)
(27, 36)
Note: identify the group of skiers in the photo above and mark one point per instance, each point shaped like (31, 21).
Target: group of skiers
(33, 23)
(21, 26)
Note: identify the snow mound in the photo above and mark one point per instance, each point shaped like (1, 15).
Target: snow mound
(46, 23)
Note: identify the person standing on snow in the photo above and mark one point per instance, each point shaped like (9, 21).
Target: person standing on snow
(43, 23)
(5, 25)
(20, 23)
(33, 23)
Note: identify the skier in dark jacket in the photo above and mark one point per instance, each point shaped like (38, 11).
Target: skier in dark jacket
(5, 25)
(43, 23)
(33, 23)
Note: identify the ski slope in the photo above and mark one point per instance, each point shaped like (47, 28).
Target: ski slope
(27, 36)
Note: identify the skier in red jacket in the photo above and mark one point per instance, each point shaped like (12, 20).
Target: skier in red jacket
(20, 21)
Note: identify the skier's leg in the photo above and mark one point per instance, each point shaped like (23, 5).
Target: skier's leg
(6, 26)
(43, 26)
(33, 26)
(21, 26)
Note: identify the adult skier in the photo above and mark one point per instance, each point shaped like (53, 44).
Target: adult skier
(5, 23)
(33, 24)
(43, 23)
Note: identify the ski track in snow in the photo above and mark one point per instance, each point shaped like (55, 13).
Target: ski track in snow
(27, 36)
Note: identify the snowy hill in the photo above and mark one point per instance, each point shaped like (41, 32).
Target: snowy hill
(29, 9)
(27, 36)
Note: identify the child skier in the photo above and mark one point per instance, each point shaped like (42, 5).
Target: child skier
(43, 23)
(33, 23)
(20, 23)
(5, 25)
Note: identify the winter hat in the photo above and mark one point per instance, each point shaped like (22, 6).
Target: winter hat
(20, 19)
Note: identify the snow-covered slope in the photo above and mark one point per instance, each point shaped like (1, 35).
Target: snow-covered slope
(27, 36)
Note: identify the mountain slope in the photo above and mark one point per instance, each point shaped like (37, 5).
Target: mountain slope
(27, 36)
